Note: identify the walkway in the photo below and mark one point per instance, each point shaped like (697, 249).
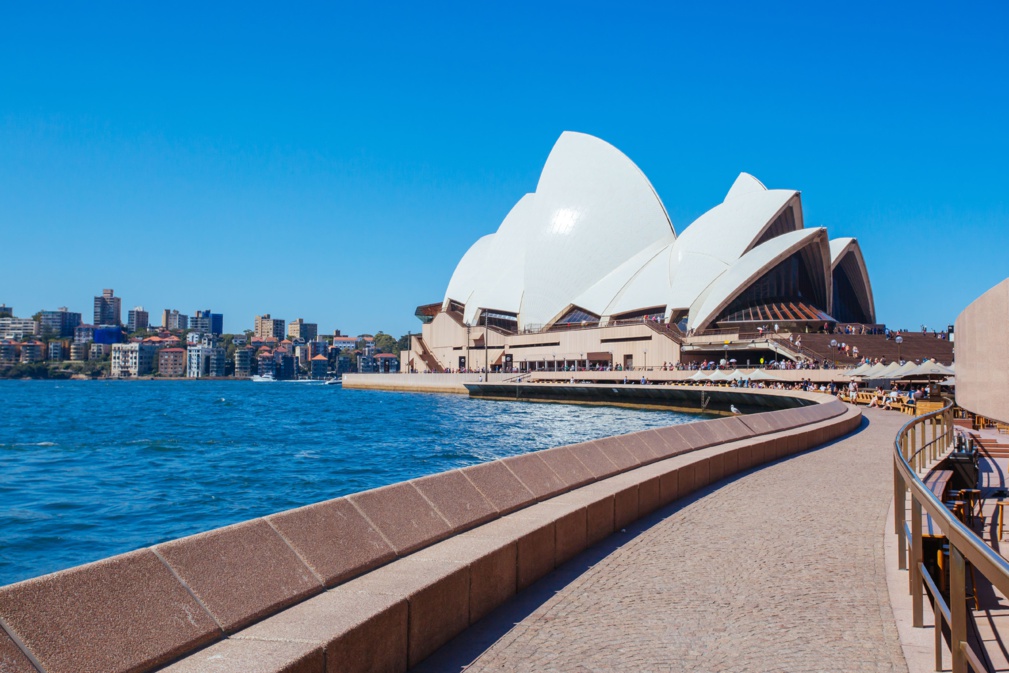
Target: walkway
(779, 569)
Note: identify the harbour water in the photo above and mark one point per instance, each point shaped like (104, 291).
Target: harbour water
(89, 469)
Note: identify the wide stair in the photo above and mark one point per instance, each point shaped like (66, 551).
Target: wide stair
(916, 346)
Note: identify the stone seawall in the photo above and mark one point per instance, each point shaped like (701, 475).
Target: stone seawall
(378, 580)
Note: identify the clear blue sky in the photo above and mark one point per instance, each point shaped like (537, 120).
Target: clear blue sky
(334, 161)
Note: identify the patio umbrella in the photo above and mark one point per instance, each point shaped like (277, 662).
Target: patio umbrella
(859, 370)
(928, 370)
(761, 375)
(698, 376)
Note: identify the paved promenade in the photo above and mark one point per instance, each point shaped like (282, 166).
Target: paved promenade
(779, 569)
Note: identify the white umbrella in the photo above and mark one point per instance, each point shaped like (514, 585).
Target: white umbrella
(738, 376)
(761, 375)
(871, 371)
(887, 371)
(903, 369)
(928, 369)
(720, 375)
(859, 370)
(698, 376)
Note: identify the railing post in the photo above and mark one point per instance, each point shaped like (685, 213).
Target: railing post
(899, 497)
(935, 433)
(957, 609)
(917, 557)
(910, 447)
(937, 629)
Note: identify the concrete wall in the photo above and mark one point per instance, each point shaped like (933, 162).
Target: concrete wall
(378, 580)
(982, 354)
(453, 383)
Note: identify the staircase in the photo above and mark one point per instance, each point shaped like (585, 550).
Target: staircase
(668, 331)
(427, 356)
(916, 346)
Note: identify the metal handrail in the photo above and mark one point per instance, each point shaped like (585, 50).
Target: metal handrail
(965, 546)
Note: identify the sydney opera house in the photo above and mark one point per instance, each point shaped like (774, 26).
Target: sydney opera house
(589, 270)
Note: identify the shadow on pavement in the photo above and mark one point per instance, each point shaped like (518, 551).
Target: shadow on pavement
(465, 648)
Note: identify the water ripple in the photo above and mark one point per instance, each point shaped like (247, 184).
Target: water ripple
(90, 469)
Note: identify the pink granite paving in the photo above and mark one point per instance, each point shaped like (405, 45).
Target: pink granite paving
(780, 569)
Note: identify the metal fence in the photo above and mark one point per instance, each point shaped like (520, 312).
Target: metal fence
(918, 445)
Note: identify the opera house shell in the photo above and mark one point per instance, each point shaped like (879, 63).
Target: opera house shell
(594, 246)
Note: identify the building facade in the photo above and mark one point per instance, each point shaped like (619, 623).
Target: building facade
(132, 359)
(33, 351)
(59, 323)
(588, 270)
(174, 321)
(320, 367)
(18, 328)
(309, 331)
(243, 363)
(266, 327)
(172, 362)
(137, 319)
(108, 309)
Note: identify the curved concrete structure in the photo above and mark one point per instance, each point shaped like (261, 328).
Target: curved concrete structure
(982, 349)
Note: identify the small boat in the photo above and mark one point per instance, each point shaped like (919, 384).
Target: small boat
(334, 382)
(263, 379)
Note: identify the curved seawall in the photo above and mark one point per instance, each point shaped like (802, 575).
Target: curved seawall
(378, 580)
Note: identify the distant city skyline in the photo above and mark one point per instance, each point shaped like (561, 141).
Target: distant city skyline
(339, 175)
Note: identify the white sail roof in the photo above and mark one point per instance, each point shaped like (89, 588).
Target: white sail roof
(594, 235)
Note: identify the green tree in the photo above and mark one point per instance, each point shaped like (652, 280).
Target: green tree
(385, 343)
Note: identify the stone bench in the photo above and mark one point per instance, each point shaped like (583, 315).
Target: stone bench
(378, 580)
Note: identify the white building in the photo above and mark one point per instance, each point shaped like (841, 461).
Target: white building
(17, 328)
(132, 359)
(203, 361)
(593, 247)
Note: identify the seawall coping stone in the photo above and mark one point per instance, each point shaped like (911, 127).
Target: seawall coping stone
(455, 497)
(535, 474)
(240, 573)
(404, 517)
(334, 539)
(500, 486)
(566, 465)
(123, 613)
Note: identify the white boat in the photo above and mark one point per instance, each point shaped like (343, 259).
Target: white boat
(334, 382)
(263, 379)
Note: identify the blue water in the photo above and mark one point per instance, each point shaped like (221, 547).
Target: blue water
(89, 469)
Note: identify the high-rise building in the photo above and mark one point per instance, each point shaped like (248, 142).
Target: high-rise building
(6, 311)
(308, 331)
(108, 309)
(172, 320)
(137, 319)
(59, 323)
(266, 327)
(206, 322)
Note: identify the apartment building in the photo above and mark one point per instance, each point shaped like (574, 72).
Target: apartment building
(133, 359)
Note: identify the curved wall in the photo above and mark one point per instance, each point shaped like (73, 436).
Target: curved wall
(378, 580)
(982, 354)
